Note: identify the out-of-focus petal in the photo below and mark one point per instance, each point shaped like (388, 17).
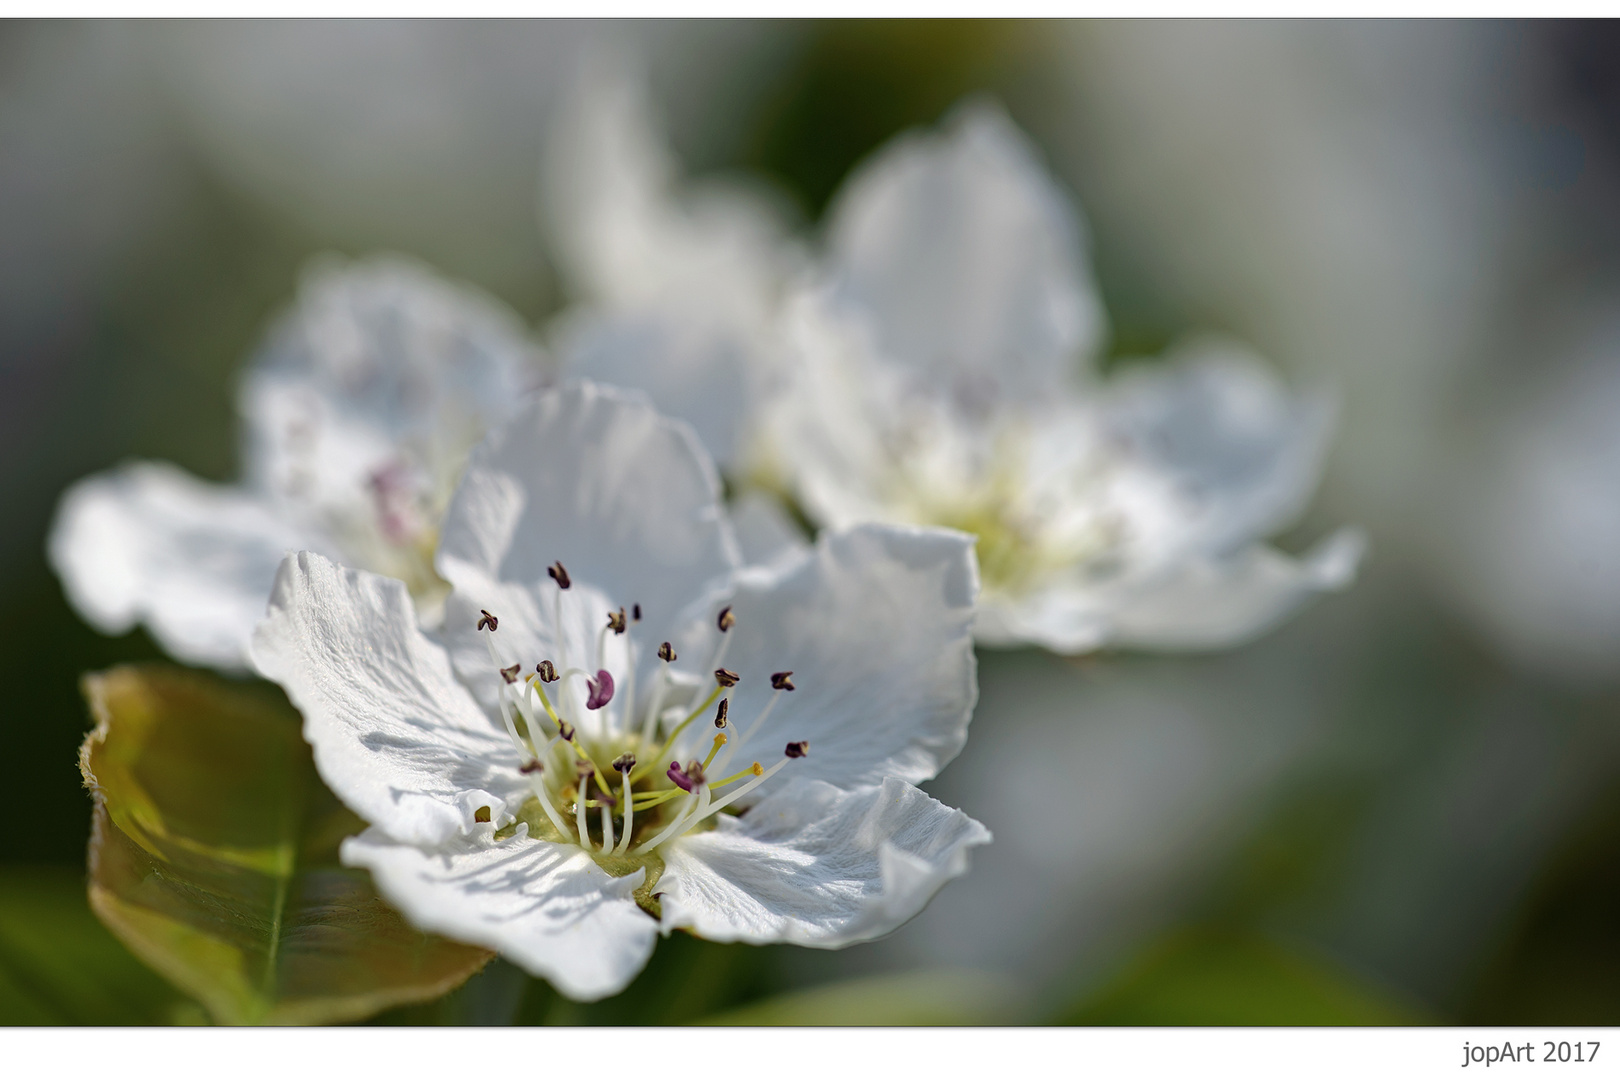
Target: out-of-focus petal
(1204, 603)
(967, 260)
(149, 543)
(380, 366)
(701, 374)
(1245, 453)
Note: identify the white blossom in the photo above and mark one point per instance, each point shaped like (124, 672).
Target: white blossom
(677, 284)
(358, 413)
(619, 731)
(941, 376)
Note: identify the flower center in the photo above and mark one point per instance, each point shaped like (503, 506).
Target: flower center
(605, 766)
(1031, 518)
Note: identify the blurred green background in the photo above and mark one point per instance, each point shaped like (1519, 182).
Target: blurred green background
(1399, 808)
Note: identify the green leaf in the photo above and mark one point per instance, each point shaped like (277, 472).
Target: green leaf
(213, 856)
(1215, 976)
(58, 965)
(915, 999)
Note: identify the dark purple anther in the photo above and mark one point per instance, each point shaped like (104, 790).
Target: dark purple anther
(679, 777)
(488, 620)
(635, 612)
(601, 689)
(798, 749)
(782, 680)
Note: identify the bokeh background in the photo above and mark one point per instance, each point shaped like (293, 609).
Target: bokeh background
(1402, 806)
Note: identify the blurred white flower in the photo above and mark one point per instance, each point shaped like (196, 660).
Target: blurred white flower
(678, 285)
(545, 811)
(359, 412)
(938, 380)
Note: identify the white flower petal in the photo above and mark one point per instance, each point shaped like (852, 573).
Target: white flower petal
(765, 533)
(700, 374)
(592, 477)
(381, 365)
(546, 907)
(815, 865)
(395, 735)
(1206, 602)
(149, 543)
(1245, 453)
(1217, 603)
(874, 622)
(967, 258)
(629, 239)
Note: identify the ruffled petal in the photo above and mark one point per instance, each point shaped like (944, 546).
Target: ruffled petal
(967, 259)
(874, 623)
(149, 543)
(816, 865)
(399, 740)
(367, 396)
(594, 478)
(546, 907)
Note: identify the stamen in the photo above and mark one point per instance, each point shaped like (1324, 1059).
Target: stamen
(488, 620)
(540, 791)
(798, 749)
(726, 677)
(719, 805)
(666, 654)
(782, 680)
(510, 674)
(635, 612)
(616, 621)
(680, 820)
(529, 767)
(669, 742)
(559, 575)
(720, 713)
(719, 741)
(585, 771)
(506, 706)
(726, 619)
(601, 689)
(565, 731)
(607, 824)
(624, 763)
(547, 672)
(686, 779)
